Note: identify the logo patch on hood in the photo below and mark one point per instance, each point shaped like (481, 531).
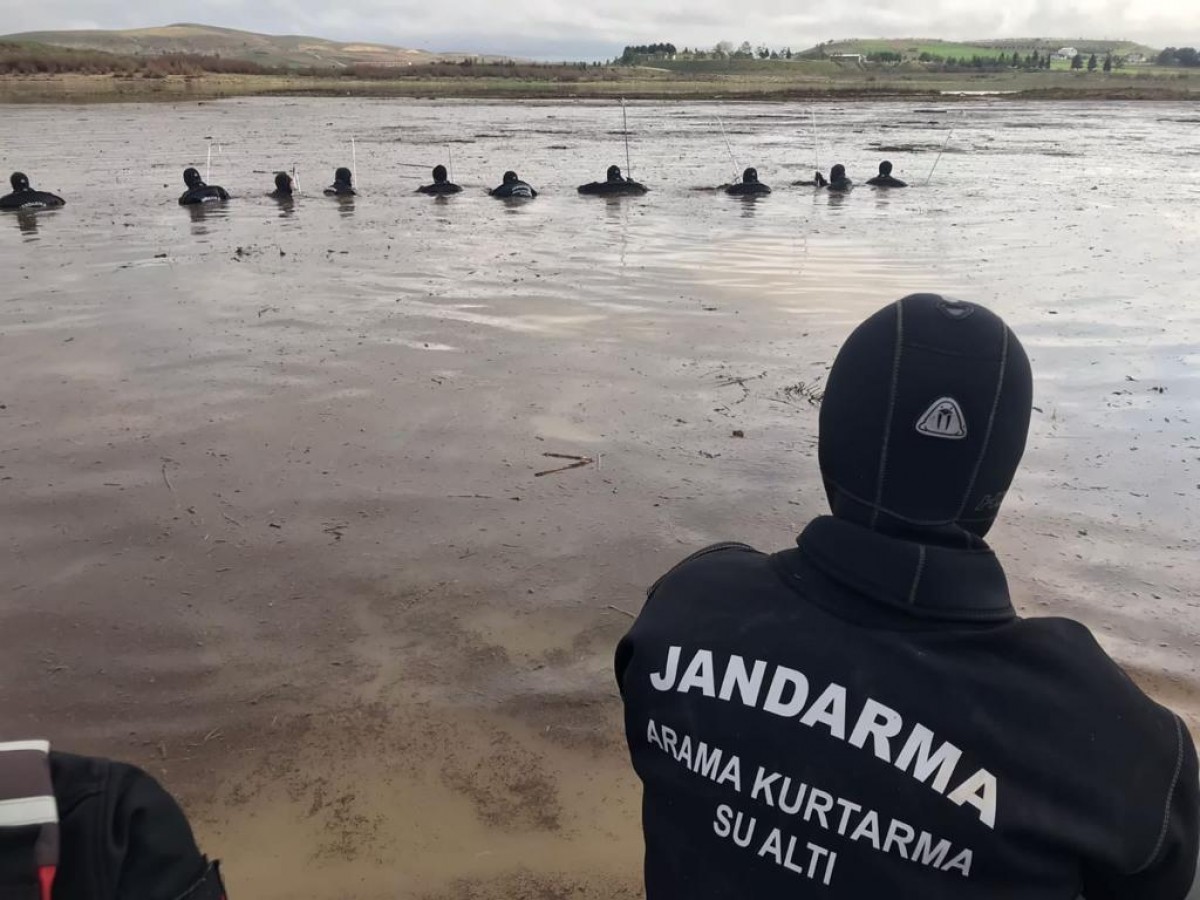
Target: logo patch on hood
(943, 419)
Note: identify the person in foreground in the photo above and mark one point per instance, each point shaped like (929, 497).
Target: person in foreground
(749, 186)
(199, 192)
(865, 715)
(25, 197)
(885, 177)
(82, 828)
(837, 180)
(512, 186)
(343, 184)
(442, 184)
(614, 185)
(284, 187)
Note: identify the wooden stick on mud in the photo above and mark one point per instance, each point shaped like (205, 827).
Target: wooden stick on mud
(579, 461)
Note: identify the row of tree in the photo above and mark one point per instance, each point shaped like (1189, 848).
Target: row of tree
(642, 53)
(1179, 56)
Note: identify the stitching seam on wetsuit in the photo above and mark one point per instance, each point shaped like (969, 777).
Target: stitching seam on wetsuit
(714, 548)
(912, 594)
(887, 425)
(987, 435)
(1162, 833)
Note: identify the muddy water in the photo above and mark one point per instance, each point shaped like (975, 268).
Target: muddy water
(272, 518)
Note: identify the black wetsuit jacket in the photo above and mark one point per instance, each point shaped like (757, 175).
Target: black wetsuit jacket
(623, 186)
(203, 193)
(120, 837)
(864, 717)
(340, 189)
(440, 188)
(886, 181)
(843, 184)
(513, 189)
(31, 199)
(747, 189)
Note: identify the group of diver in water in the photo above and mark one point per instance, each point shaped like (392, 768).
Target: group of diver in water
(615, 184)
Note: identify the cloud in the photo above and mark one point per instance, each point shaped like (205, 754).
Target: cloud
(569, 29)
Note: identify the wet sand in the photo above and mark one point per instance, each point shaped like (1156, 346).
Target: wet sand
(272, 523)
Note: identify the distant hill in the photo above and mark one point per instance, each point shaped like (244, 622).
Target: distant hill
(913, 47)
(291, 51)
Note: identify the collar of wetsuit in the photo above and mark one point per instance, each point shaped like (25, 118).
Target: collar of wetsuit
(922, 580)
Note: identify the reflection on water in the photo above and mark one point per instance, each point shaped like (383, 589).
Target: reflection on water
(201, 213)
(294, 388)
(27, 223)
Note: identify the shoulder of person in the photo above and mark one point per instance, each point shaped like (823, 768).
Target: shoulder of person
(714, 553)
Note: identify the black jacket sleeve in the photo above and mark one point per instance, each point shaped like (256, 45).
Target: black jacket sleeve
(1170, 867)
(124, 837)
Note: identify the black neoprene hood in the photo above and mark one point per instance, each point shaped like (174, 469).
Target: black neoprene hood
(925, 417)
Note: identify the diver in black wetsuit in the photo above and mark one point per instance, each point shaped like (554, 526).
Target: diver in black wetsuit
(749, 186)
(25, 197)
(442, 184)
(885, 178)
(284, 187)
(837, 180)
(614, 185)
(814, 721)
(343, 184)
(513, 187)
(199, 192)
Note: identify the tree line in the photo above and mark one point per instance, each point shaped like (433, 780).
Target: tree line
(1179, 56)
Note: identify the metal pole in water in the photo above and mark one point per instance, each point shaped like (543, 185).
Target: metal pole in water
(450, 159)
(816, 154)
(737, 171)
(354, 161)
(628, 164)
(938, 159)
(208, 164)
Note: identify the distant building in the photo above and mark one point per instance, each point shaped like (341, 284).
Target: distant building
(1065, 53)
(1135, 59)
(847, 57)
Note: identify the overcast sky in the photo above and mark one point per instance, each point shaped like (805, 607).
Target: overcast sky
(600, 28)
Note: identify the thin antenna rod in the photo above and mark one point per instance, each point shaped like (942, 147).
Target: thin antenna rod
(816, 154)
(354, 161)
(208, 164)
(450, 158)
(737, 170)
(628, 163)
(945, 144)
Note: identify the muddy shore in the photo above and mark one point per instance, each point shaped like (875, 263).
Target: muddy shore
(272, 519)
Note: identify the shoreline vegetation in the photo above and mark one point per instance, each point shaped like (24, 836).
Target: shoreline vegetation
(37, 73)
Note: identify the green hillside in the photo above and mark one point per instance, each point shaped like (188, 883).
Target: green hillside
(292, 51)
(914, 47)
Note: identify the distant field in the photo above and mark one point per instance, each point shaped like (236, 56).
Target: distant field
(784, 83)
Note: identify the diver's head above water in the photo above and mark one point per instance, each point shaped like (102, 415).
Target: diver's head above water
(510, 177)
(924, 420)
(283, 183)
(19, 181)
(837, 173)
(750, 176)
(614, 173)
(440, 175)
(191, 177)
(885, 168)
(343, 176)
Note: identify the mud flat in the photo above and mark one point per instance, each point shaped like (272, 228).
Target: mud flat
(272, 523)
